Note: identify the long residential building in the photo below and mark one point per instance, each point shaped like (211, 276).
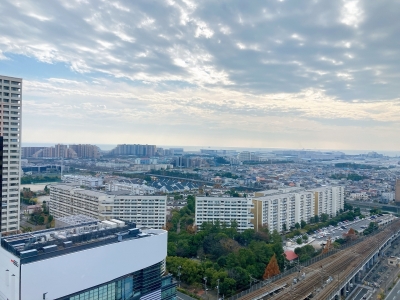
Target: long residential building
(286, 206)
(10, 144)
(145, 211)
(134, 149)
(277, 209)
(225, 210)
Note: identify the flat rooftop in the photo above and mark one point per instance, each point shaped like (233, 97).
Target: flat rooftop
(48, 243)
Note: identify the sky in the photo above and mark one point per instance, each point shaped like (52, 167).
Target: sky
(272, 74)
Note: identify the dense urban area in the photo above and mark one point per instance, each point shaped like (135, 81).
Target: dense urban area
(235, 219)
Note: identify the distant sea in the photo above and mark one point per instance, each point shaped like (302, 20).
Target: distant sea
(107, 147)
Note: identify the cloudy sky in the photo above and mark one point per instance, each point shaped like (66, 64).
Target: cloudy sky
(284, 74)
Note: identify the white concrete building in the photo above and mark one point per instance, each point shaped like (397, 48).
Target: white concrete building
(276, 209)
(244, 156)
(113, 262)
(225, 210)
(112, 165)
(133, 188)
(89, 181)
(359, 196)
(328, 200)
(10, 132)
(284, 207)
(145, 211)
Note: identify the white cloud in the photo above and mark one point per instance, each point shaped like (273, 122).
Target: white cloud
(290, 68)
(352, 13)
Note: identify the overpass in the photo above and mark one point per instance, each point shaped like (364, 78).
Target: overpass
(369, 205)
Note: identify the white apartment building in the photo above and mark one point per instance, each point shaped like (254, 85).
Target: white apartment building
(276, 209)
(359, 196)
(284, 207)
(328, 200)
(244, 156)
(224, 209)
(10, 131)
(89, 181)
(145, 211)
(133, 188)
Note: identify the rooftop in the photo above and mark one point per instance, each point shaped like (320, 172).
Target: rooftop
(44, 244)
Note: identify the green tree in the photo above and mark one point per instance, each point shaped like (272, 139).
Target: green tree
(316, 217)
(297, 225)
(324, 217)
(299, 241)
(303, 223)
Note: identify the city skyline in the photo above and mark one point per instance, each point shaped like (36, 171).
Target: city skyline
(272, 75)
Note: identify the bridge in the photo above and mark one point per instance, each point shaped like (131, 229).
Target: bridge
(328, 277)
(372, 205)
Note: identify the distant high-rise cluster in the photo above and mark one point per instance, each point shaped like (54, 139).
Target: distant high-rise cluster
(10, 145)
(63, 151)
(134, 149)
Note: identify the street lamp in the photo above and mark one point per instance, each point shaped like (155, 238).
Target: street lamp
(218, 289)
(179, 275)
(205, 284)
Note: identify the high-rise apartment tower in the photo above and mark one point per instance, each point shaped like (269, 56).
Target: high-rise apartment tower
(10, 157)
(397, 192)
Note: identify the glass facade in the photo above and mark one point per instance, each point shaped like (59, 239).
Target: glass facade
(133, 286)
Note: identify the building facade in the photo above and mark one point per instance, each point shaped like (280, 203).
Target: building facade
(10, 131)
(145, 211)
(282, 209)
(89, 181)
(277, 209)
(134, 149)
(225, 210)
(328, 200)
(86, 151)
(93, 260)
(397, 192)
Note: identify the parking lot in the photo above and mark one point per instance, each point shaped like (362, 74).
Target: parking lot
(336, 232)
(343, 227)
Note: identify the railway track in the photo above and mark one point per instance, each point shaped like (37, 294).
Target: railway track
(325, 276)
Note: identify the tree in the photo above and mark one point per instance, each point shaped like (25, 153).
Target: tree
(299, 241)
(316, 218)
(284, 228)
(350, 235)
(272, 268)
(297, 225)
(303, 223)
(324, 217)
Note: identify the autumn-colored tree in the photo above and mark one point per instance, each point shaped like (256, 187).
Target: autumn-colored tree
(192, 229)
(350, 235)
(168, 226)
(272, 268)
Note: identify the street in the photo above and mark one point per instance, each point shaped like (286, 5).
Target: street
(394, 293)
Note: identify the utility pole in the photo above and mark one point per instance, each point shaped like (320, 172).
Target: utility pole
(218, 289)
(205, 285)
(179, 275)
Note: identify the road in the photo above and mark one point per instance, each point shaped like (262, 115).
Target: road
(394, 293)
(359, 293)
